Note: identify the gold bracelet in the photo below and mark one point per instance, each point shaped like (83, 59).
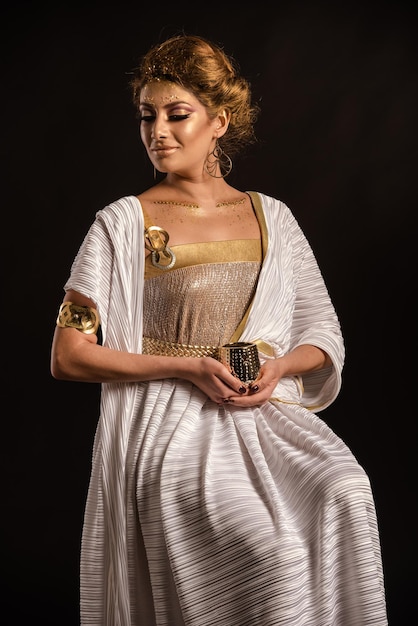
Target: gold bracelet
(83, 318)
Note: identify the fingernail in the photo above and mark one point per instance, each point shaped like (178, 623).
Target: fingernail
(242, 389)
(255, 388)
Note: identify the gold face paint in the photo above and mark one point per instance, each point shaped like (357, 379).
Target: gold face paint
(170, 98)
(166, 99)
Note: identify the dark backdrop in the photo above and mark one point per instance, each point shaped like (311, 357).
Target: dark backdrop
(337, 143)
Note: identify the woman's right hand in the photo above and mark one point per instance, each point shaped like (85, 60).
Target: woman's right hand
(212, 377)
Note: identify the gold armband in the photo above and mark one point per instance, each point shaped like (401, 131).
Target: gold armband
(83, 318)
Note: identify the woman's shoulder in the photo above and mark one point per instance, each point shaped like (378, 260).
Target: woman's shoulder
(123, 204)
(269, 203)
(265, 197)
(123, 208)
(120, 216)
(276, 212)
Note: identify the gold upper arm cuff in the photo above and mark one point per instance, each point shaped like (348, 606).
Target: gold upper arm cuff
(83, 318)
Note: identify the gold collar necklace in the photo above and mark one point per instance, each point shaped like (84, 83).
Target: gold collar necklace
(196, 206)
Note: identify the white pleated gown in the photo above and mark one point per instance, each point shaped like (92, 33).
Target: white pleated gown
(199, 515)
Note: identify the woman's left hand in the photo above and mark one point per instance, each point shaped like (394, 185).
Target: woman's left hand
(261, 390)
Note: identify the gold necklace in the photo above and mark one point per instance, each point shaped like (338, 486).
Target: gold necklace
(196, 206)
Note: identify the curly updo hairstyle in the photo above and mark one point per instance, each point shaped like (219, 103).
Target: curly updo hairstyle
(203, 68)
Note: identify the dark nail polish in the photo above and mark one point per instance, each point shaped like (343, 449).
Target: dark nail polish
(242, 389)
(255, 388)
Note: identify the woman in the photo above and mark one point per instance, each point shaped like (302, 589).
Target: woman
(215, 497)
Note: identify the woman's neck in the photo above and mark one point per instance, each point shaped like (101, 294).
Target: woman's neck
(194, 192)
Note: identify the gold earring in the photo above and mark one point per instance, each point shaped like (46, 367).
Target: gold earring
(215, 158)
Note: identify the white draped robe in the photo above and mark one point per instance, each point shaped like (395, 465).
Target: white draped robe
(202, 515)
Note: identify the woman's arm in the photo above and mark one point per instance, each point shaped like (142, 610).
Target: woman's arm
(77, 356)
(301, 360)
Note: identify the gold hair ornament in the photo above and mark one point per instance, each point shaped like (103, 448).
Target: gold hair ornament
(83, 318)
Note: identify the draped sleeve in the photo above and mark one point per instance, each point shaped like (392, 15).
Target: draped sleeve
(109, 269)
(292, 305)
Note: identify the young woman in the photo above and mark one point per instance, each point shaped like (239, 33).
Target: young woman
(217, 494)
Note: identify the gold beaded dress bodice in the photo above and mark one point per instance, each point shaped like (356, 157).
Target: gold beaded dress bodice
(204, 297)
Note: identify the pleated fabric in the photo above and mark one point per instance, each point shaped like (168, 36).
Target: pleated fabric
(202, 515)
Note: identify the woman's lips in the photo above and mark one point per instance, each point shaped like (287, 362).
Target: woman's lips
(163, 151)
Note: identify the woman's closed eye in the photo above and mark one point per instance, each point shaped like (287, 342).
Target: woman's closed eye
(175, 117)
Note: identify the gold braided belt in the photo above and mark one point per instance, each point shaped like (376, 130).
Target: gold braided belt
(169, 348)
(241, 358)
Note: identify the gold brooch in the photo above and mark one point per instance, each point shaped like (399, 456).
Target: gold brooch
(156, 240)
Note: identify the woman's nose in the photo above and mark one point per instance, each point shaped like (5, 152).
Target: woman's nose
(159, 128)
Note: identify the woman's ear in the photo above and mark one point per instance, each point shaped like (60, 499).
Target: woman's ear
(222, 122)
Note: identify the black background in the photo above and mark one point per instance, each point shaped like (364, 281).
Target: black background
(337, 143)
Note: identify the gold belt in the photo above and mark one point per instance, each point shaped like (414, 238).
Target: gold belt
(169, 348)
(241, 357)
